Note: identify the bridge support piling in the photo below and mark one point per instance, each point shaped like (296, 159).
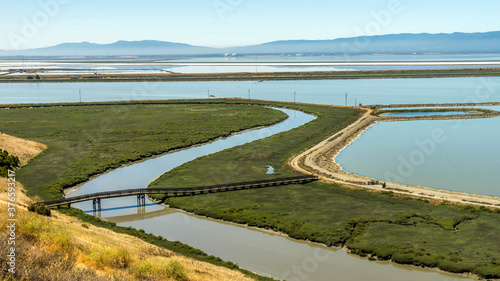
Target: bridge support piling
(141, 200)
(96, 203)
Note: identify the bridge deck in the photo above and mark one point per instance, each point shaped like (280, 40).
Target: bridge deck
(181, 191)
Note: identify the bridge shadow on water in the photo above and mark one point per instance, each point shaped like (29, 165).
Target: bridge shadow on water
(139, 216)
(119, 208)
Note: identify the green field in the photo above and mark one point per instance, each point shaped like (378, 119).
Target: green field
(88, 140)
(378, 225)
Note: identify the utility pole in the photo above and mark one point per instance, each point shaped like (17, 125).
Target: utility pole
(294, 96)
(355, 102)
(346, 99)
(248, 93)
(208, 92)
(80, 94)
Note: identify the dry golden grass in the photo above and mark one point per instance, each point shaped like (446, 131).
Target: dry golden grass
(24, 149)
(63, 248)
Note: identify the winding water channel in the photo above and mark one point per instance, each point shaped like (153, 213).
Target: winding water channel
(262, 252)
(259, 251)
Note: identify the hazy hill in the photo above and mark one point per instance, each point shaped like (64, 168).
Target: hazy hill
(387, 44)
(120, 48)
(456, 43)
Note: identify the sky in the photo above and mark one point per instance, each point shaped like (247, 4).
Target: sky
(31, 24)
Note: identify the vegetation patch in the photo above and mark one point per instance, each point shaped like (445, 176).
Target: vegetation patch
(7, 162)
(86, 140)
(39, 209)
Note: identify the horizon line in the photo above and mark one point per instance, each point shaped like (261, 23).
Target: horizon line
(255, 44)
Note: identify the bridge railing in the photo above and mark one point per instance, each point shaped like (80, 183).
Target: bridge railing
(192, 190)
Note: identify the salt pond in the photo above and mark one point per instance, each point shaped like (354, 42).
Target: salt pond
(465, 158)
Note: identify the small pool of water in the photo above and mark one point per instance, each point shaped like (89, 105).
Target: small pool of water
(427, 113)
(490, 107)
(270, 170)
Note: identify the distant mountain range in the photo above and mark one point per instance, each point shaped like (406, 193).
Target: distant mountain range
(455, 43)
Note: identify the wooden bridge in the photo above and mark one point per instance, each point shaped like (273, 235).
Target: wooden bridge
(173, 192)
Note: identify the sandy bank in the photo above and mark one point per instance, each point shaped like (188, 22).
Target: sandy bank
(319, 160)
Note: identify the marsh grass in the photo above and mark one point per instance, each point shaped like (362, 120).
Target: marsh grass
(86, 140)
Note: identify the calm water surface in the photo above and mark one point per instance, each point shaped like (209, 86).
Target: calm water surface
(371, 91)
(430, 113)
(465, 156)
(347, 58)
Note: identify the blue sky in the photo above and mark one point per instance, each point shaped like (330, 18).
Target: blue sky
(219, 23)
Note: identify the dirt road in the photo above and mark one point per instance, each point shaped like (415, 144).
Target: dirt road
(319, 160)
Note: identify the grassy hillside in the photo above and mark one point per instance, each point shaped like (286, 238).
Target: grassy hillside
(65, 248)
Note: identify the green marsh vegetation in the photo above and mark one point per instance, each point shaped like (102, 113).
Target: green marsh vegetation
(7, 162)
(86, 140)
(458, 239)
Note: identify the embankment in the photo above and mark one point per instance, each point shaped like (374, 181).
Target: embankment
(320, 160)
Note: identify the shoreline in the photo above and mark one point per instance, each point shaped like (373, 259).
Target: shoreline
(32, 64)
(320, 160)
(344, 248)
(255, 76)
